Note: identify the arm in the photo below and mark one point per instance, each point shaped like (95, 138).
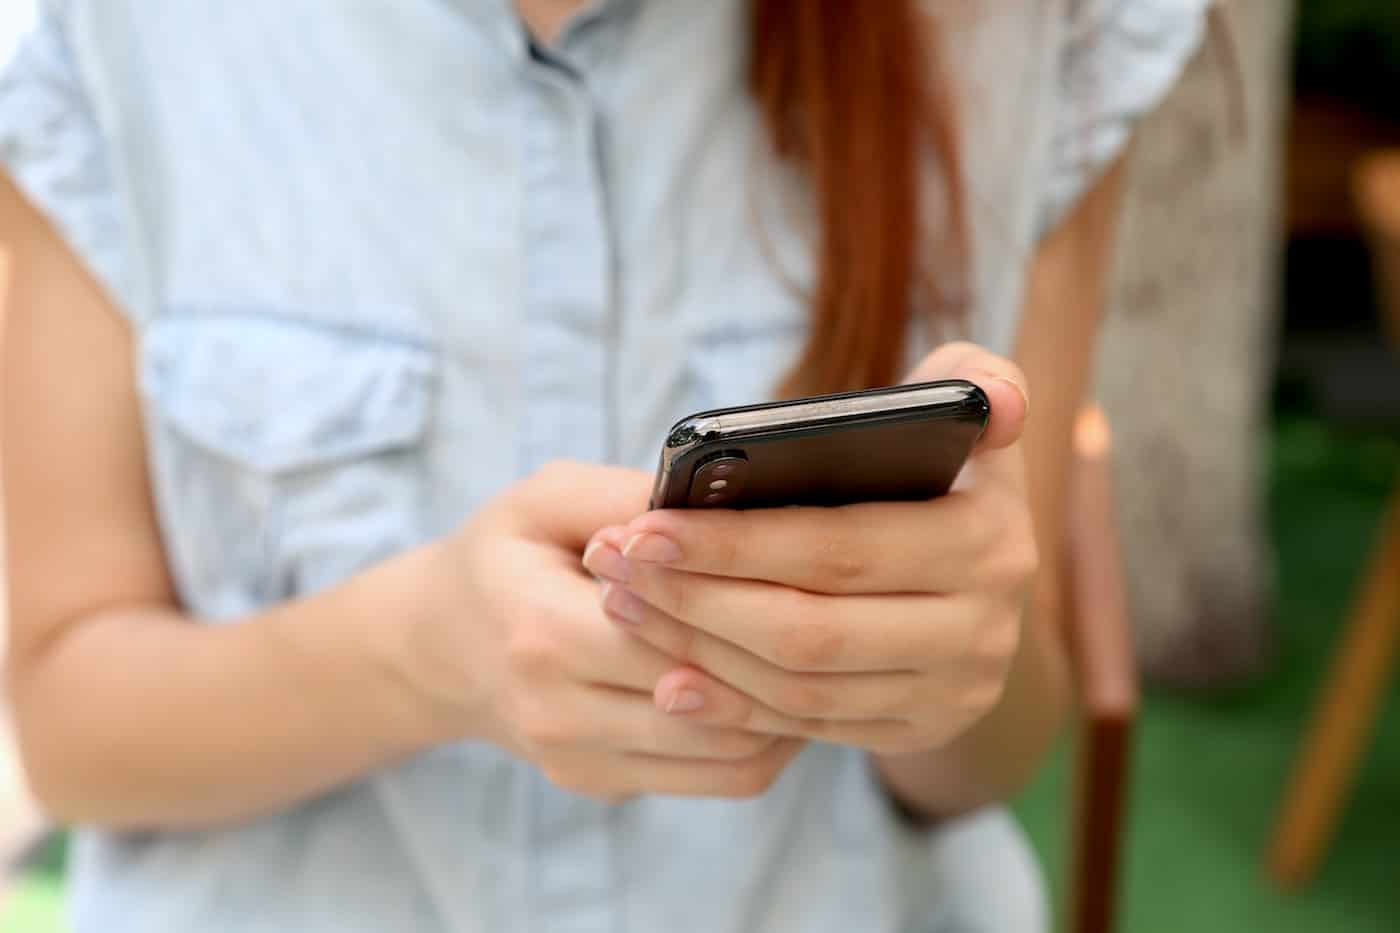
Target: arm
(1064, 303)
(127, 713)
(130, 714)
(896, 627)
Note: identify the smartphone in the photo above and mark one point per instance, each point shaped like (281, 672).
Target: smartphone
(901, 443)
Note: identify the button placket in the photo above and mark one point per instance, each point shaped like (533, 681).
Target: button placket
(567, 337)
(568, 274)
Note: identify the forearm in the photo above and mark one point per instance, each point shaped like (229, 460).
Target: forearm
(1065, 297)
(994, 759)
(142, 719)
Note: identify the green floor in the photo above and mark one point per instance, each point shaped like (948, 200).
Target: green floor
(1208, 772)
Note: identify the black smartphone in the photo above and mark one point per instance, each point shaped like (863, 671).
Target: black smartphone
(900, 443)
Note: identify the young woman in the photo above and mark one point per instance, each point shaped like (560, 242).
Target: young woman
(335, 606)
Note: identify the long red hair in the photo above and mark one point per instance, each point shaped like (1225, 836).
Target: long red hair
(848, 93)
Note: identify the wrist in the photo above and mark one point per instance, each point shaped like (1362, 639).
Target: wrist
(394, 610)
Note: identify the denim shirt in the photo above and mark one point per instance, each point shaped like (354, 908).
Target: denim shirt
(382, 259)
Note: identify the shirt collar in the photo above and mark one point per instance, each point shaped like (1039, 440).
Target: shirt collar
(502, 19)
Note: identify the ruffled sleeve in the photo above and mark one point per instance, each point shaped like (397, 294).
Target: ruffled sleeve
(52, 146)
(1119, 59)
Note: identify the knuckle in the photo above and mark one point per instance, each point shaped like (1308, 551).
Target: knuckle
(807, 643)
(741, 713)
(815, 729)
(672, 593)
(840, 561)
(800, 698)
(726, 550)
(990, 644)
(742, 745)
(683, 643)
(981, 698)
(534, 653)
(999, 644)
(905, 696)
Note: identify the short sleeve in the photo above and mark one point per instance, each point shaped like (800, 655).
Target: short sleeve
(1119, 59)
(53, 149)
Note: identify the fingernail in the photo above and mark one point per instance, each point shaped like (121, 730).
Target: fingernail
(622, 605)
(1017, 386)
(653, 548)
(685, 701)
(603, 560)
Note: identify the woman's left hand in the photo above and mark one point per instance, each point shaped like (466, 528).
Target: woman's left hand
(889, 626)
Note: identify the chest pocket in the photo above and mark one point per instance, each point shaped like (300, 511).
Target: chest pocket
(286, 453)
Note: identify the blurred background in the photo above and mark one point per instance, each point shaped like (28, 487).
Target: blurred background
(1251, 370)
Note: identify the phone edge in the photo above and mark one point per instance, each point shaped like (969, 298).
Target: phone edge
(709, 427)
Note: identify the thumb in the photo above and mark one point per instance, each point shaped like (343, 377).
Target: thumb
(565, 502)
(1001, 380)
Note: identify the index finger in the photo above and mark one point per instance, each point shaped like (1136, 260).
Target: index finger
(942, 545)
(935, 546)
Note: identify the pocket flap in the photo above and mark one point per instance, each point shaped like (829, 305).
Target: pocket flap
(279, 394)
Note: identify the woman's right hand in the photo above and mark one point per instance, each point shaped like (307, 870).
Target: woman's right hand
(514, 646)
(493, 633)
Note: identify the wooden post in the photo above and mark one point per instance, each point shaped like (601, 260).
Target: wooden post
(1101, 653)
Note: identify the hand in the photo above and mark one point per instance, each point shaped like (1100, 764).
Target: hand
(514, 644)
(889, 626)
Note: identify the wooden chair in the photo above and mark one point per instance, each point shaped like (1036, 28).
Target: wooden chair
(1355, 687)
(1105, 673)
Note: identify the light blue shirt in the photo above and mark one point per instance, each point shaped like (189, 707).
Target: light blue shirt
(383, 258)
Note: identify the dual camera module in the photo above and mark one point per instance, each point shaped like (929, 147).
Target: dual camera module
(719, 480)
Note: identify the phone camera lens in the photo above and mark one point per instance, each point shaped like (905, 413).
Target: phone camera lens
(719, 481)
